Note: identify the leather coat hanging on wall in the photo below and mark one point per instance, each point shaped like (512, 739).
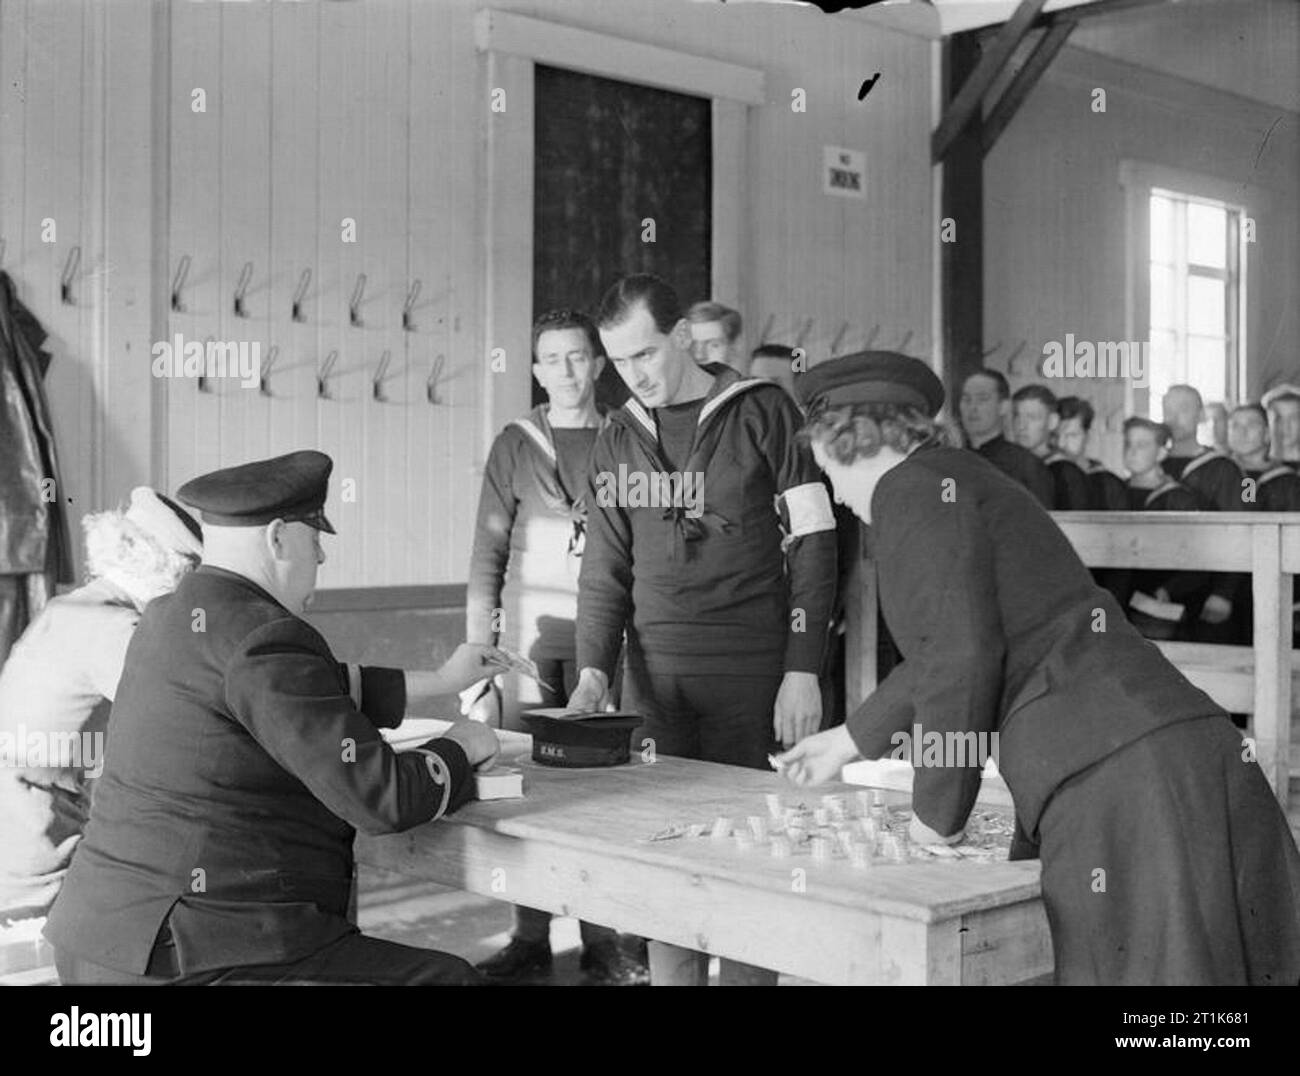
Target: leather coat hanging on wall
(35, 550)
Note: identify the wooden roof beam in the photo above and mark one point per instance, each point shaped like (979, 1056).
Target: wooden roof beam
(1049, 44)
(969, 99)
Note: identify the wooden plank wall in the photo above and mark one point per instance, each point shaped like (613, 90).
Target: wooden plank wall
(376, 111)
(75, 141)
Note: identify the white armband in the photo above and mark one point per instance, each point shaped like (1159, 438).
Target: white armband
(808, 508)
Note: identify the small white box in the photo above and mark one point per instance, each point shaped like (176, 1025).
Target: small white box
(499, 783)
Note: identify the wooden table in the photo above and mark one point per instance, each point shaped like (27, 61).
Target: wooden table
(575, 846)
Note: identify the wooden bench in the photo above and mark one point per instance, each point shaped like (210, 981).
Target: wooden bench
(1262, 680)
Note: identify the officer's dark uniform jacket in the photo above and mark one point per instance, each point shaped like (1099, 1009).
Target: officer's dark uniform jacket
(711, 590)
(995, 617)
(238, 769)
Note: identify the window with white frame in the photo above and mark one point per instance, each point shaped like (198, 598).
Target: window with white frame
(1196, 295)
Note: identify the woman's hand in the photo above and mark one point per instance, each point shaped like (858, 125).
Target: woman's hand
(819, 758)
(923, 834)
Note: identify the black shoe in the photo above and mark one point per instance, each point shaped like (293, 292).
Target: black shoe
(608, 964)
(518, 961)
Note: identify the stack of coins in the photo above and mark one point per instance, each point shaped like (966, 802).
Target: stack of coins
(721, 827)
(780, 847)
(859, 856)
(744, 840)
(864, 802)
(774, 806)
(821, 816)
(758, 827)
(821, 849)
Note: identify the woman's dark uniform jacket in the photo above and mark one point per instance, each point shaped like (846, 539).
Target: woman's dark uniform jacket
(998, 623)
(238, 769)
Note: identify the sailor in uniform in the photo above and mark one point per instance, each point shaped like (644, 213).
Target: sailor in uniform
(723, 576)
(1035, 421)
(985, 405)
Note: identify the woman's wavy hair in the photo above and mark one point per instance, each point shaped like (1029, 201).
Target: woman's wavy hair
(849, 432)
(120, 547)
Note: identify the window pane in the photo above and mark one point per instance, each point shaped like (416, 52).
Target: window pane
(1206, 368)
(1162, 297)
(1207, 235)
(1165, 368)
(1205, 305)
(1162, 229)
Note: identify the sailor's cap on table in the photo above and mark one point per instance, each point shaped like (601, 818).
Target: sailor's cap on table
(590, 741)
(291, 488)
(871, 377)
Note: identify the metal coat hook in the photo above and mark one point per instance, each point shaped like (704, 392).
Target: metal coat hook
(354, 304)
(839, 339)
(377, 382)
(407, 323)
(431, 385)
(70, 271)
(178, 283)
(322, 377)
(871, 336)
(207, 350)
(994, 348)
(902, 344)
(803, 333)
(304, 282)
(766, 334)
(245, 275)
(1011, 359)
(264, 382)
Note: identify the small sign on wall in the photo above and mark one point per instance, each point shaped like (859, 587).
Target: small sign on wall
(845, 172)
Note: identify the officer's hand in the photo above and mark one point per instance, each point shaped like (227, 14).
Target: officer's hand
(1216, 609)
(591, 693)
(798, 710)
(923, 834)
(479, 742)
(819, 758)
(469, 663)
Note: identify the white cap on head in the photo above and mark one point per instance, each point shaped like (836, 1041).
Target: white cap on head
(165, 521)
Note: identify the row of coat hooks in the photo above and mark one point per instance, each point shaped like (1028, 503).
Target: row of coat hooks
(70, 266)
(325, 374)
(299, 295)
(803, 334)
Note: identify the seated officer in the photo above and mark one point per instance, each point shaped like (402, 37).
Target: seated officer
(244, 758)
